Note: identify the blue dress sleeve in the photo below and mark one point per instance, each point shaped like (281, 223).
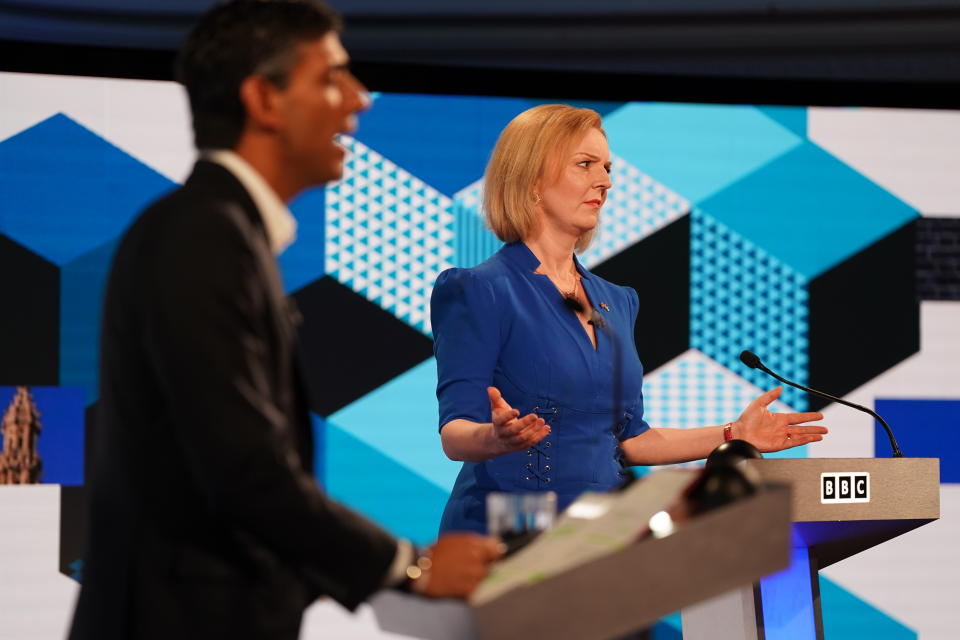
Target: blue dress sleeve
(466, 331)
(636, 424)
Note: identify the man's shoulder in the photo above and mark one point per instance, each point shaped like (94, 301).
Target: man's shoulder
(206, 220)
(209, 188)
(209, 201)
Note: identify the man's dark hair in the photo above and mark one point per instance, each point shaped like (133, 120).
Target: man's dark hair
(238, 39)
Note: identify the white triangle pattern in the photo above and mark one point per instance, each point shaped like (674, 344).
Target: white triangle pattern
(637, 206)
(388, 234)
(693, 390)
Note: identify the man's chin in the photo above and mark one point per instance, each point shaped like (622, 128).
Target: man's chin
(335, 172)
(329, 171)
(335, 162)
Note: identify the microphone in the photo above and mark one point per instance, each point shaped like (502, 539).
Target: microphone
(597, 320)
(572, 303)
(752, 360)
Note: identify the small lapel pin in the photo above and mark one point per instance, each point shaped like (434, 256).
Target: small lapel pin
(603, 305)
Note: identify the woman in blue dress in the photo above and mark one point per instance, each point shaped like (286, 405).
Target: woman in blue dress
(539, 379)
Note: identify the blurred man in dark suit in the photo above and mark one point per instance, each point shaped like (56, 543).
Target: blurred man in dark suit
(206, 521)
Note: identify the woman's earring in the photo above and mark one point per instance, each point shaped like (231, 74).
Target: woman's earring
(537, 196)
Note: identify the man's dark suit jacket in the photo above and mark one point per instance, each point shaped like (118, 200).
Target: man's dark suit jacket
(205, 519)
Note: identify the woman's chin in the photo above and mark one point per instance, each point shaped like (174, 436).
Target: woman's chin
(589, 225)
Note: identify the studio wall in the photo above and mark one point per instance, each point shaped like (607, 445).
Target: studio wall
(825, 239)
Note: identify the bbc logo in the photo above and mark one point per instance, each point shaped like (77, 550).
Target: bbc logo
(844, 487)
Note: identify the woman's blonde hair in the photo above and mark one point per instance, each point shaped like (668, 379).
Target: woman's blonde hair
(532, 145)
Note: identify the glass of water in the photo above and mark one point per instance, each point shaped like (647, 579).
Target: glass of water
(518, 517)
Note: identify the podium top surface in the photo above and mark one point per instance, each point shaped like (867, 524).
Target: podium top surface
(882, 498)
(899, 488)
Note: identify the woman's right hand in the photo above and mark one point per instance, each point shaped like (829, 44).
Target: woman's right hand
(510, 431)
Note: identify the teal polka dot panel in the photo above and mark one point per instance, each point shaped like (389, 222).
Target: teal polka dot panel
(741, 297)
(637, 206)
(388, 234)
(693, 390)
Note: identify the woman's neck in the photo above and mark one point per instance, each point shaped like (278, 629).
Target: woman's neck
(555, 252)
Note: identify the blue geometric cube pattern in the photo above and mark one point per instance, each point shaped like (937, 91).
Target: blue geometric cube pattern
(808, 209)
(697, 149)
(443, 140)
(407, 399)
(774, 215)
(303, 261)
(388, 235)
(67, 191)
(399, 498)
(82, 284)
(637, 205)
(741, 297)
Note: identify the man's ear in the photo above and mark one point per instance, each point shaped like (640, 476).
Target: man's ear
(262, 101)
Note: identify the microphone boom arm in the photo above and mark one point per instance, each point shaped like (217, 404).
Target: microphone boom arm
(755, 363)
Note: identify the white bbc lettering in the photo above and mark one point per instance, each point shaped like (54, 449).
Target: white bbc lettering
(838, 488)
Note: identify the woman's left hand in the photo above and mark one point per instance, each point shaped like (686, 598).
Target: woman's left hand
(769, 431)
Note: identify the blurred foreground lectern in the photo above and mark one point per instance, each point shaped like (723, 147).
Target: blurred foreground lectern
(613, 565)
(839, 507)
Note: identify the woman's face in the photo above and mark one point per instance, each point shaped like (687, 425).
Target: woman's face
(572, 196)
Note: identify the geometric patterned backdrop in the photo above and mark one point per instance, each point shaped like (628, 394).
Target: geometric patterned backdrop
(825, 240)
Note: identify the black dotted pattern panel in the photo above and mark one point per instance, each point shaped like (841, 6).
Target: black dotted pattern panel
(938, 258)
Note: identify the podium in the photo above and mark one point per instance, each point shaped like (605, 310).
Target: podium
(839, 507)
(631, 587)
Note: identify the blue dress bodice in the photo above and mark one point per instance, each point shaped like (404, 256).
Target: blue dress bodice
(500, 324)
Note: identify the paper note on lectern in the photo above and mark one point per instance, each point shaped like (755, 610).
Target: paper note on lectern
(595, 525)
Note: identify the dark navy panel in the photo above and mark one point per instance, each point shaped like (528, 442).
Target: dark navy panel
(29, 338)
(924, 429)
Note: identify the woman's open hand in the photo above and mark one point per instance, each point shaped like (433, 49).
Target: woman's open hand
(769, 431)
(510, 431)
